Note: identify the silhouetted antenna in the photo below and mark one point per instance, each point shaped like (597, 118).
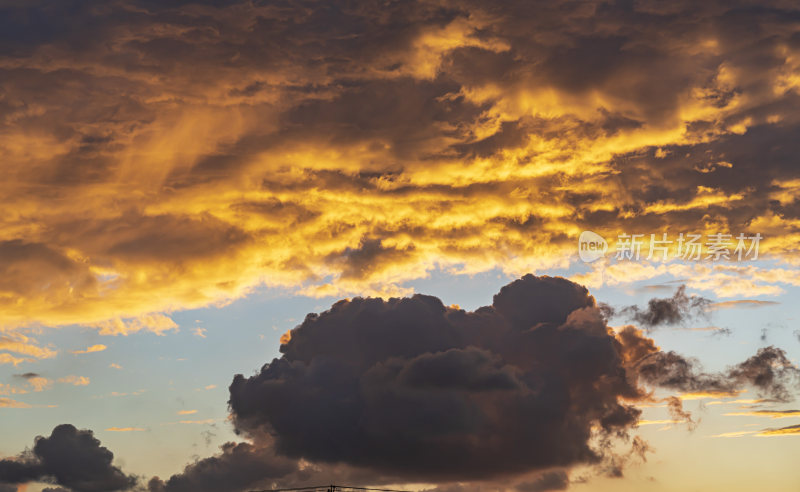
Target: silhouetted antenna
(328, 488)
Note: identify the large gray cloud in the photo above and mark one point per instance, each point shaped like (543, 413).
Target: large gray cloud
(412, 387)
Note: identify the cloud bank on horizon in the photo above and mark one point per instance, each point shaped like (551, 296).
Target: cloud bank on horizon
(160, 156)
(407, 390)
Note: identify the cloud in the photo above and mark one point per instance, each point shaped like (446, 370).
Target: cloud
(666, 311)
(773, 414)
(35, 381)
(410, 390)
(9, 403)
(40, 383)
(792, 430)
(414, 388)
(70, 458)
(125, 429)
(403, 390)
(19, 343)
(10, 359)
(769, 371)
(88, 350)
(186, 412)
(354, 148)
(7, 389)
(734, 434)
(741, 303)
(155, 323)
(236, 468)
(75, 380)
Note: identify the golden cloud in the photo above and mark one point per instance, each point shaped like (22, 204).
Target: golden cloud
(91, 349)
(164, 168)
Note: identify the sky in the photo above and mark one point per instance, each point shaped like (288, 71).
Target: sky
(421, 245)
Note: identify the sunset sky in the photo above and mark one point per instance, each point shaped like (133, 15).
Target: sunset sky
(184, 182)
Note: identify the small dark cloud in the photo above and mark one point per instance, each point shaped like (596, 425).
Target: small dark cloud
(721, 332)
(666, 311)
(27, 375)
(69, 458)
(676, 411)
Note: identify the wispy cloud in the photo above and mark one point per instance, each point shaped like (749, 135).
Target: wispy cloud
(773, 414)
(734, 434)
(742, 303)
(792, 430)
(26, 348)
(9, 403)
(659, 422)
(75, 380)
(88, 350)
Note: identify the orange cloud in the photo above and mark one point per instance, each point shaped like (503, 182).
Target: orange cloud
(75, 380)
(9, 403)
(773, 414)
(39, 383)
(18, 343)
(792, 430)
(445, 150)
(94, 348)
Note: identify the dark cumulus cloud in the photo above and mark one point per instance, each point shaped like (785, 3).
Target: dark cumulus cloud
(677, 309)
(69, 458)
(415, 388)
